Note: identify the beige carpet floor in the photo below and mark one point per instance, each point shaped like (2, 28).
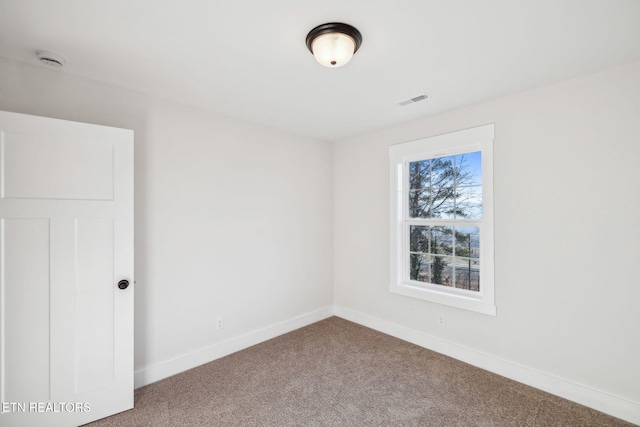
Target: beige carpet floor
(337, 373)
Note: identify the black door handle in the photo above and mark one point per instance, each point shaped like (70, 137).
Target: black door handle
(123, 284)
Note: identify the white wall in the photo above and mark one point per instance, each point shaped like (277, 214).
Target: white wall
(230, 218)
(567, 238)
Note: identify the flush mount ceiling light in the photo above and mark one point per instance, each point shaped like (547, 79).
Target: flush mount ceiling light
(334, 44)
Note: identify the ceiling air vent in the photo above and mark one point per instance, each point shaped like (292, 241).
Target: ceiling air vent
(413, 100)
(51, 59)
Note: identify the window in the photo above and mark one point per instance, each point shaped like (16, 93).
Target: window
(442, 219)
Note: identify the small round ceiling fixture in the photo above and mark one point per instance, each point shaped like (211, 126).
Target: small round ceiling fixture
(51, 59)
(334, 44)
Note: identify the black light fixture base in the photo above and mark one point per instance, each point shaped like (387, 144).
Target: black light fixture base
(335, 27)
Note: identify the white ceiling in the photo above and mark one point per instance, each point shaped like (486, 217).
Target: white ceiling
(248, 59)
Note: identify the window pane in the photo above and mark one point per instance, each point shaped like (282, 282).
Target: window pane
(419, 203)
(419, 174)
(442, 172)
(443, 202)
(467, 242)
(418, 238)
(441, 240)
(468, 274)
(469, 202)
(441, 270)
(419, 268)
(469, 169)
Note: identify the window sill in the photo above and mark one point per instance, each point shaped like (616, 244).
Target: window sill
(467, 302)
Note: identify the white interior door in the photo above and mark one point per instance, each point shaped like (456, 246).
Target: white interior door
(66, 240)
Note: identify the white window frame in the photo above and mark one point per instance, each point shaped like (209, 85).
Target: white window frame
(465, 141)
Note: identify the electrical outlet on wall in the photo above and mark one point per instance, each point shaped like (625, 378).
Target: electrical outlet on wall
(441, 320)
(220, 322)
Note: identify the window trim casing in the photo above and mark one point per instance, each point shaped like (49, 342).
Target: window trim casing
(469, 140)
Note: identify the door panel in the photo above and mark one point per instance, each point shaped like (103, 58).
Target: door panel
(27, 171)
(94, 291)
(66, 208)
(25, 310)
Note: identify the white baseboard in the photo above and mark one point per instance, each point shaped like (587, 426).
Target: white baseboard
(587, 396)
(151, 374)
